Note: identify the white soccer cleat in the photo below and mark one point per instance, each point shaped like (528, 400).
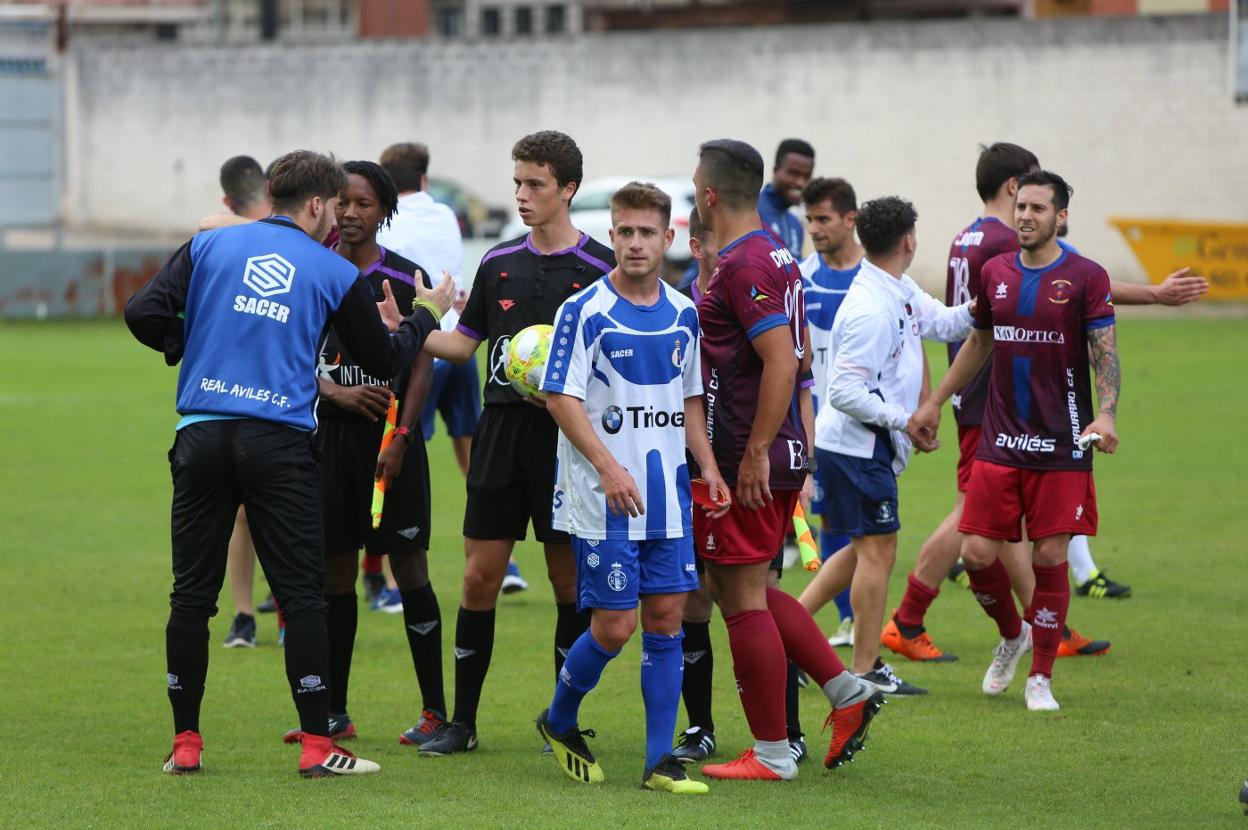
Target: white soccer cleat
(337, 761)
(1005, 660)
(1039, 694)
(844, 635)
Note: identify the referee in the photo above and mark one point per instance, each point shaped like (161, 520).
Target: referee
(245, 309)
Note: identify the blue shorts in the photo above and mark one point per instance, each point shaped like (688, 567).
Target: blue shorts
(860, 498)
(616, 573)
(456, 393)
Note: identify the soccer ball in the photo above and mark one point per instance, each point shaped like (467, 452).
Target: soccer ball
(526, 358)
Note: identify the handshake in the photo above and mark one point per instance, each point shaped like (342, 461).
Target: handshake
(923, 426)
(441, 297)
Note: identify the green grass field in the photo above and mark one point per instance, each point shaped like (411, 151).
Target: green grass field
(1150, 735)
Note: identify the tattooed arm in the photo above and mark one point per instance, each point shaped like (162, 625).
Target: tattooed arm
(1102, 343)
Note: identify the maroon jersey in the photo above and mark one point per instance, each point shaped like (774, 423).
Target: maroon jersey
(756, 287)
(982, 240)
(1040, 398)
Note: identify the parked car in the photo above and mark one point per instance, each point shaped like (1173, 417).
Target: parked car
(591, 211)
(476, 218)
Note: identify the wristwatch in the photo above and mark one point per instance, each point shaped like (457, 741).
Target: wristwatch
(402, 432)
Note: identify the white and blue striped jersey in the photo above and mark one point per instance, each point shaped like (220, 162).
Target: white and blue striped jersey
(633, 366)
(825, 291)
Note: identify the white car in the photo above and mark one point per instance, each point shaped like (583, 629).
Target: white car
(591, 211)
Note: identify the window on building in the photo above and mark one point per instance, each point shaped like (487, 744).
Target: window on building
(491, 21)
(524, 20)
(449, 21)
(556, 20)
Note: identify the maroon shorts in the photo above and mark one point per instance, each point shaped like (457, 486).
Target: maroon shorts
(743, 536)
(968, 442)
(1052, 501)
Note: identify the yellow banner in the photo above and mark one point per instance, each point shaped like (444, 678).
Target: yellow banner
(1217, 251)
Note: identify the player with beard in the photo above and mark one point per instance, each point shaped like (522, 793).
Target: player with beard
(1040, 313)
(244, 309)
(758, 420)
(997, 171)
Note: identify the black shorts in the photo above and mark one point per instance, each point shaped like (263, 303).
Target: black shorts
(268, 468)
(349, 448)
(511, 475)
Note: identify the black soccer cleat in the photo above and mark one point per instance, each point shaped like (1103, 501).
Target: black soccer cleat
(695, 745)
(886, 680)
(1100, 586)
(450, 739)
(242, 632)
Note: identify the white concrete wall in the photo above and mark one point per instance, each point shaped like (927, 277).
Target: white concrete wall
(1136, 113)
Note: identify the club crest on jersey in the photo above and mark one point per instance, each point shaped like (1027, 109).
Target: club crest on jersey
(1061, 292)
(506, 305)
(1001, 289)
(617, 579)
(756, 295)
(676, 356)
(269, 274)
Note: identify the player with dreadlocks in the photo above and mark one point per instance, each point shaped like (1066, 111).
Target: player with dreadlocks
(352, 414)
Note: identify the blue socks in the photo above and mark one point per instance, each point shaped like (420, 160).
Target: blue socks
(580, 673)
(829, 544)
(662, 672)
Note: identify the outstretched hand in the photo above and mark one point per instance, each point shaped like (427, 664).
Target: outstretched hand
(1180, 289)
(388, 308)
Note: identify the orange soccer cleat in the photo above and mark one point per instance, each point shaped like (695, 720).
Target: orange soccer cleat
(1075, 644)
(745, 767)
(921, 649)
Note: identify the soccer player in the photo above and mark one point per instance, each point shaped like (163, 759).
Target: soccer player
(267, 290)
(831, 211)
(511, 474)
(795, 162)
(753, 347)
(351, 416)
(1039, 314)
(997, 171)
(624, 385)
(246, 194)
(697, 743)
(873, 386)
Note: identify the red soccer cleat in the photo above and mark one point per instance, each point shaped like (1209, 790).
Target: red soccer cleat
(745, 767)
(187, 747)
(849, 729)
